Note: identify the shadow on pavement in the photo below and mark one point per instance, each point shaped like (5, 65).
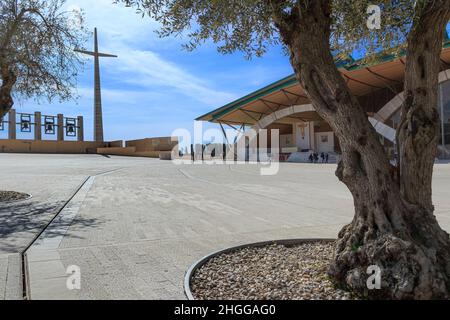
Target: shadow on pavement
(21, 222)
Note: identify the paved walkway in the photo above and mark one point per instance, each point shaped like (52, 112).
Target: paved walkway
(52, 180)
(135, 231)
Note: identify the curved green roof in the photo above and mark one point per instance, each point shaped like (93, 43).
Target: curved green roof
(349, 64)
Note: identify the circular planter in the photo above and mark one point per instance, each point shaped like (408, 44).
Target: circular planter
(25, 198)
(191, 271)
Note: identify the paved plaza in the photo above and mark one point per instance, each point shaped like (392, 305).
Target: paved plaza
(134, 226)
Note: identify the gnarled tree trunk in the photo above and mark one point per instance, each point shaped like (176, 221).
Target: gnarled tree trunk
(8, 78)
(394, 227)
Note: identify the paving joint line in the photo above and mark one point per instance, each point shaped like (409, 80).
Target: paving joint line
(143, 241)
(25, 275)
(189, 176)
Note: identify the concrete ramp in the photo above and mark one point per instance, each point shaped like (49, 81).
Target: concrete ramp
(163, 148)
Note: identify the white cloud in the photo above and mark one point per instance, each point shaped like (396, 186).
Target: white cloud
(126, 34)
(144, 93)
(148, 70)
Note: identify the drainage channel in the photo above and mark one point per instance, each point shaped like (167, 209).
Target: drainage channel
(64, 216)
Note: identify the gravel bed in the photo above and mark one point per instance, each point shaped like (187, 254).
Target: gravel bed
(6, 196)
(274, 272)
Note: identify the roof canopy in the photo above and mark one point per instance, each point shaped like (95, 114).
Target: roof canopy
(362, 79)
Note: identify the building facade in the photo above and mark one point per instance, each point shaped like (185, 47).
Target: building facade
(284, 106)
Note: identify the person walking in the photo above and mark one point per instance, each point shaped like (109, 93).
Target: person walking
(327, 157)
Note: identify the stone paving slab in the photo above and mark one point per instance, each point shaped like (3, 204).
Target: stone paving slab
(134, 232)
(10, 277)
(149, 224)
(52, 180)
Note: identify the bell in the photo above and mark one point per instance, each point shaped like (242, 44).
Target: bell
(49, 128)
(25, 125)
(70, 129)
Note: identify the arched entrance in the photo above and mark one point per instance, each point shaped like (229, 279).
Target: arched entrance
(379, 120)
(308, 131)
(393, 106)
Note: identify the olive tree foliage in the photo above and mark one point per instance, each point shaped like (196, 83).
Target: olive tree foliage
(394, 227)
(248, 25)
(37, 38)
(233, 25)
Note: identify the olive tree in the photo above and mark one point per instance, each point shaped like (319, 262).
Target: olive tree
(37, 38)
(394, 226)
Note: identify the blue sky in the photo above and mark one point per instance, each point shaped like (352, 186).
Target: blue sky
(155, 87)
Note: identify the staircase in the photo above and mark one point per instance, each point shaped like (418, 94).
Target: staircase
(299, 157)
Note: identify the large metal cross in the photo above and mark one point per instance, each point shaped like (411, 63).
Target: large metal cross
(98, 113)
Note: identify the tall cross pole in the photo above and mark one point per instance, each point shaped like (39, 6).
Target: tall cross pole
(98, 113)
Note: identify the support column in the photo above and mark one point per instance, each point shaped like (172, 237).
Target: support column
(80, 128)
(60, 127)
(12, 125)
(37, 126)
(312, 136)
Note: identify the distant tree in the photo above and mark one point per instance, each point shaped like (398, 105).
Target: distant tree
(394, 226)
(37, 40)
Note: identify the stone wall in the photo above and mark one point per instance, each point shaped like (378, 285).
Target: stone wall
(58, 147)
(150, 148)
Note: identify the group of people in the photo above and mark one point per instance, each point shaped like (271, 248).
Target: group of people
(314, 157)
